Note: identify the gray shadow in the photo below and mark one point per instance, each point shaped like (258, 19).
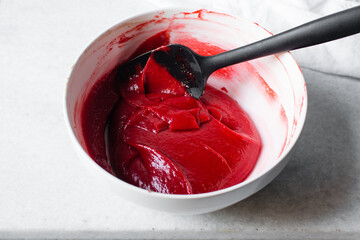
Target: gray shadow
(322, 177)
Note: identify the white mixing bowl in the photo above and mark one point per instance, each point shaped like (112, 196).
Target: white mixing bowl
(271, 90)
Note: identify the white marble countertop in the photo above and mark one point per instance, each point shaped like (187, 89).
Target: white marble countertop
(46, 193)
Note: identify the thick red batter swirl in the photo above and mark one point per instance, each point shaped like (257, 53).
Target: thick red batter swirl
(163, 140)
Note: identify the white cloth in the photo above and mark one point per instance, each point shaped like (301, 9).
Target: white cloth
(340, 57)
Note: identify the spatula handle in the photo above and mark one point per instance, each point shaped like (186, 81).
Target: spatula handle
(331, 27)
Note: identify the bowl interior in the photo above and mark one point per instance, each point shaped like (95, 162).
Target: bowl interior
(271, 89)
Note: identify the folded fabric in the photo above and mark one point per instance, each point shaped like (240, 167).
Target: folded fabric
(340, 57)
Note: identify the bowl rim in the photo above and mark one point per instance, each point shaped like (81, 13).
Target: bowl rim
(115, 180)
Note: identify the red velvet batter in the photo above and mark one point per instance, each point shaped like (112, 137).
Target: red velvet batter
(163, 140)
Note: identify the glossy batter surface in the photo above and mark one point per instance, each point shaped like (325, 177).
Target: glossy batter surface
(161, 139)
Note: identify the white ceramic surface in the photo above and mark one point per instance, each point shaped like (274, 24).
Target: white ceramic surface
(281, 74)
